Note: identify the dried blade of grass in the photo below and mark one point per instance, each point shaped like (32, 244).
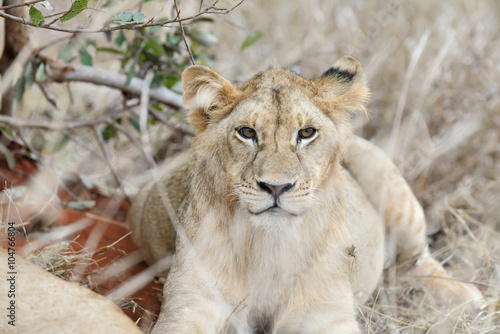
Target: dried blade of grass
(369, 309)
(404, 91)
(459, 217)
(11, 201)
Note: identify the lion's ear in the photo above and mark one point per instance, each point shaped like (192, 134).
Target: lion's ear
(206, 93)
(343, 87)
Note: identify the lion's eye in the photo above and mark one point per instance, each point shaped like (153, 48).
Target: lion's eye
(247, 133)
(307, 133)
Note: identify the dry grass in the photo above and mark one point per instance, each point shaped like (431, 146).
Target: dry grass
(434, 71)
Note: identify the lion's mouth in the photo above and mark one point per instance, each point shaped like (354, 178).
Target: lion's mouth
(275, 209)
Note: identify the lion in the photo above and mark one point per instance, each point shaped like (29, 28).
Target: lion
(280, 218)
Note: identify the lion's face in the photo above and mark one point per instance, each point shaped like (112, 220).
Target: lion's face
(279, 137)
(281, 147)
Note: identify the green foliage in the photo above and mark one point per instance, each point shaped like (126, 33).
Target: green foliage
(6, 130)
(85, 57)
(62, 143)
(124, 18)
(76, 8)
(251, 39)
(134, 123)
(66, 53)
(25, 81)
(8, 155)
(108, 132)
(36, 16)
(161, 50)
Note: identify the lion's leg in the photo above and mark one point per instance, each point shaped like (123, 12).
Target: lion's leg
(404, 220)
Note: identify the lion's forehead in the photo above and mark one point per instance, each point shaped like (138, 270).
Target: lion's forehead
(278, 107)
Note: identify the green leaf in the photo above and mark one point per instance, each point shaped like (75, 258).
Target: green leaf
(108, 3)
(173, 40)
(251, 39)
(154, 45)
(7, 130)
(157, 106)
(29, 76)
(171, 80)
(139, 17)
(62, 143)
(81, 205)
(134, 123)
(76, 8)
(86, 182)
(108, 132)
(66, 53)
(125, 16)
(157, 81)
(177, 88)
(85, 57)
(19, 88)
(36, 16)
(202, 19)
(9, 157)
(120, 39)
(154, 29)
(129, 18)
(130, 75)
(109, 50)
(40, 74)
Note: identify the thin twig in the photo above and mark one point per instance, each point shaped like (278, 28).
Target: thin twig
(184, 128)
(391, 318)
(184, 35)
(134, 141)
(49, 96)
(107, 157)
(92, 12)
(143, 114)
(70, 125)
(20, 4)
(161, 10)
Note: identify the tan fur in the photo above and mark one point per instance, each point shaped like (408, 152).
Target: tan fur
(240, 267)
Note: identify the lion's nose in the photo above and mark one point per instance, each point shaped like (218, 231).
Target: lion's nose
(275, 189)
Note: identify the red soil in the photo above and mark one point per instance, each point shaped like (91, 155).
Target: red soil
(147, 299)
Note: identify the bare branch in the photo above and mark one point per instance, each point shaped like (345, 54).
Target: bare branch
(106, 155)
(70, 125)
(184, 128)
(20, 4)
(184, 35)
(61, 72)
(134, 141)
